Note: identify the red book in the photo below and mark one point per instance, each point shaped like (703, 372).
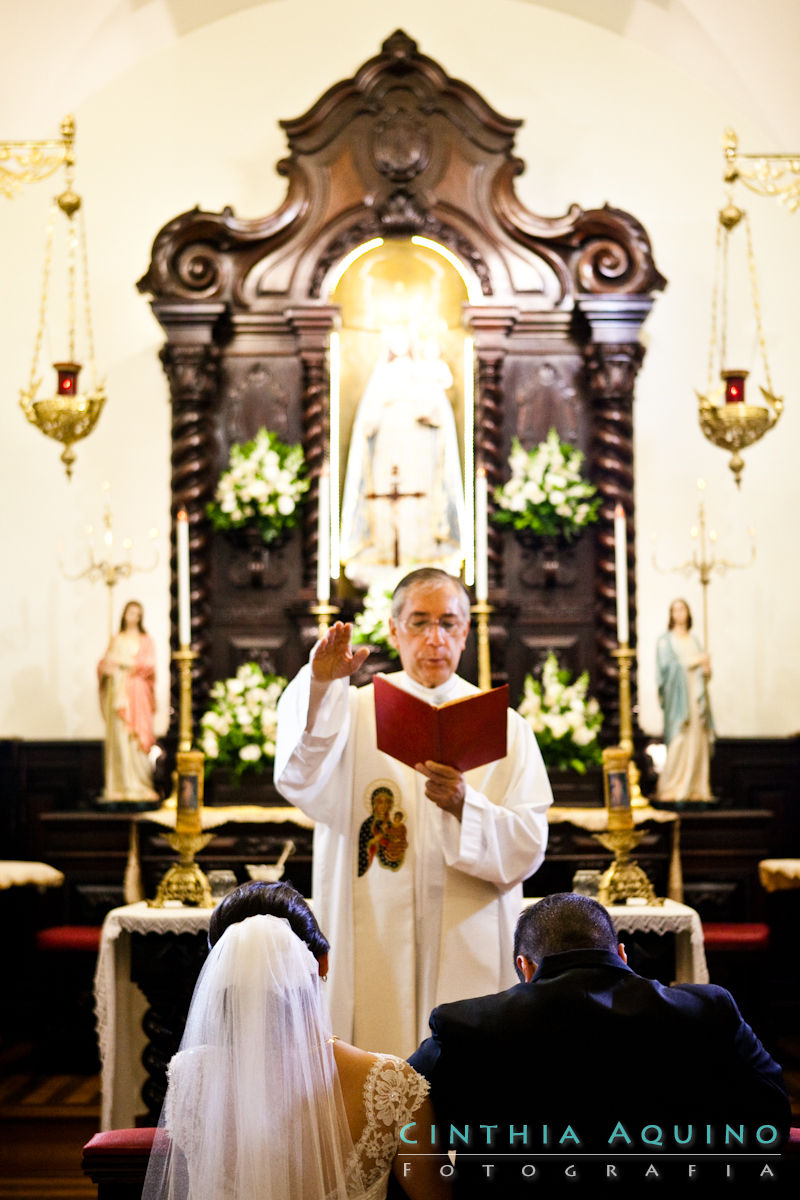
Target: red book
(463, 733)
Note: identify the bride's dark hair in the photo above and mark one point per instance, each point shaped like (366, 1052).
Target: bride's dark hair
(273, 900)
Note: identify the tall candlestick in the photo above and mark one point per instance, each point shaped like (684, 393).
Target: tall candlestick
(323, 537)
(481, 537)
(184, 610)
(621, 564)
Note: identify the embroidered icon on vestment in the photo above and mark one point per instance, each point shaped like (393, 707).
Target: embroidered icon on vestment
(383, 835)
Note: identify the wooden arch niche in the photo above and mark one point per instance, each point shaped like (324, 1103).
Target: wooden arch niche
(551, 312)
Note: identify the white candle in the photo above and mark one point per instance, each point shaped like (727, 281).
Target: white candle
(323, 538)
(481, 537)
(621, 563)
(184, 610)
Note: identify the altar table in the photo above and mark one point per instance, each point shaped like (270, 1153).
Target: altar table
(779, 874)
(14, 873)
(212, 817)
(595, 820)
(120, 1004)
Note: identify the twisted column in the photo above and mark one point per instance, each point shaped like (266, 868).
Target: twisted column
(313, 328)
(610, 373)
(193, 374)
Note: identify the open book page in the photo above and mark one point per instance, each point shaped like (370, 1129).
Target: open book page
(462, 733)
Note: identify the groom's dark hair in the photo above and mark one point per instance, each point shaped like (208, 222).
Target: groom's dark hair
(563, 921)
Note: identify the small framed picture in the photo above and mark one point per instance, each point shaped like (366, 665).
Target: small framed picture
(189, 808)
(616, 788)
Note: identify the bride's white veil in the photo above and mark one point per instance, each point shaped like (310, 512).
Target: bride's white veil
(253, 1109)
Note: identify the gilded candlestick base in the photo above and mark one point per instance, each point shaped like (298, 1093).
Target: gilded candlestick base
(184, 881)
(624, 879)
(324, 614)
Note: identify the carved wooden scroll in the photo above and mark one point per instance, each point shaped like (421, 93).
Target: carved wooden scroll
(401, 149)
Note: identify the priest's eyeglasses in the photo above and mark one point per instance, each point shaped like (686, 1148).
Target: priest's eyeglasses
(418, 626)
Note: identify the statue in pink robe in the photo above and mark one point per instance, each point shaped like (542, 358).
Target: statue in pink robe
(126, 675)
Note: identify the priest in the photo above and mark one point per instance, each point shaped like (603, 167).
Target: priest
(417, 874)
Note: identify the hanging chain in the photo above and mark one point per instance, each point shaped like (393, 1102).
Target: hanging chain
(85, 265)
(72, 245)
(751, 261)
(48, 262)
(723, 341)
(715, 290)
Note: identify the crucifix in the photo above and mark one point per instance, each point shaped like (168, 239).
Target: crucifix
(394, 495)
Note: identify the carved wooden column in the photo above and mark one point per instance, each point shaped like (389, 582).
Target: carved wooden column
(193, 373)
(611, 372)
(312, 328)
(490, 328)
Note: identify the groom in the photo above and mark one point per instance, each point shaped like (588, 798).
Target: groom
(585, 1063)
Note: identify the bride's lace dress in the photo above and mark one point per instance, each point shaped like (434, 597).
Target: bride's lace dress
(393, 1091)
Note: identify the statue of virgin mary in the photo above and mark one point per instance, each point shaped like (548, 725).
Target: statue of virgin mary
(403, 502)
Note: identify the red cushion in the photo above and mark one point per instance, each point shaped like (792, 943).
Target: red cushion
(114, 1142)
(69, 937)
(735, 935)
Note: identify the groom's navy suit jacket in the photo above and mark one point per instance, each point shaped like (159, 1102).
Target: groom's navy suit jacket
(590, 1047)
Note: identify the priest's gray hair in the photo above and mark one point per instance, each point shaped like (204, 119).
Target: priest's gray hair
(563, 921)
(431, 577)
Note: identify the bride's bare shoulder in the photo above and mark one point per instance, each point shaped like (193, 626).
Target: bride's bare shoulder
(351, 1059)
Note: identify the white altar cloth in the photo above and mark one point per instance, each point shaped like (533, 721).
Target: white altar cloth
(16, 873)
(120, 1005)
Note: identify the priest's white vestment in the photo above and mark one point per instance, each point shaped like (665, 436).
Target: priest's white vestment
(420, 908)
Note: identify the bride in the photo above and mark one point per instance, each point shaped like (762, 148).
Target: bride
(262, 1102)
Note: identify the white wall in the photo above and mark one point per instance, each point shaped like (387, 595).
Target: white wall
(174, 109)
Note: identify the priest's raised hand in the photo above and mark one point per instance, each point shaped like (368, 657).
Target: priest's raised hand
(333, 656)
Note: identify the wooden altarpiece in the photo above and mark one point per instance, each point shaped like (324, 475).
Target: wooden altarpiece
(402, 149)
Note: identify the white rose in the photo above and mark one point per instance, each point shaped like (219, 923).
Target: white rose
(583, 736)
(557, 724)
(250, 753)
(210, 745)
(213, 722)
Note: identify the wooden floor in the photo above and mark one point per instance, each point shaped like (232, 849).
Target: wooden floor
(45, 1120)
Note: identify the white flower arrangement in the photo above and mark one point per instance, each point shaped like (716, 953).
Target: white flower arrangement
(262, 486)
(239, 728)
(546, 492)
(371, 625)
(565, 723)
